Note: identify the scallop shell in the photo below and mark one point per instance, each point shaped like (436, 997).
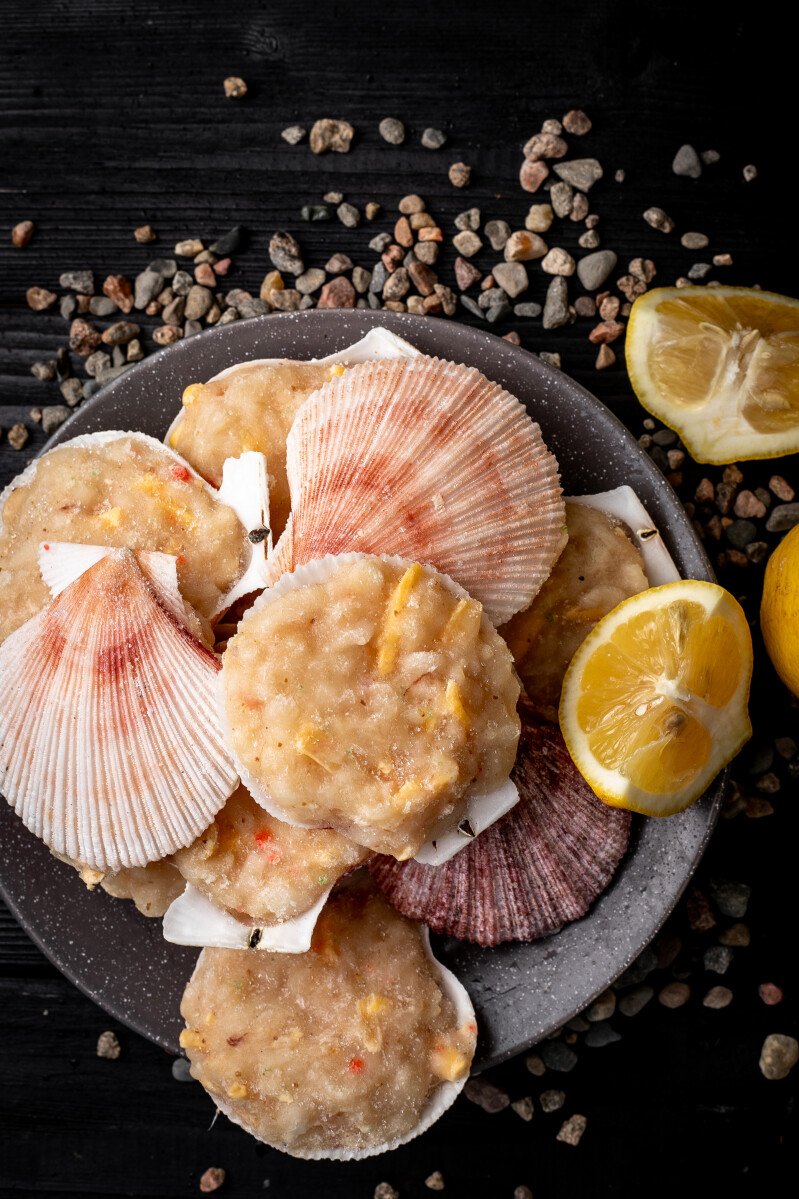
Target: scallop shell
(623, 504)
(480, 810)
(110, 749)
(541, 866)
(431, 461)
(193, 919)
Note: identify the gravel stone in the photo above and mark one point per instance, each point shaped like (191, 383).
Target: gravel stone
(460, 174)
(740, 533)
(529, 309)
(579, 207)
(511, 277)
(522, 246)
(738, 936)
(433, 139)
(53, 416)
(288, 299)
(558, 262)
(770, 994)
(589, 240)
(327, 134)
(584, 305)
(427, 252)
(423, 279)
(558, 1057)
(535, 1065)
(397, 285)
(778, 1056)
(602, 1008)
(717, 997)
(576, 122)
(21, 234)
(18, 435)
(410, 204)
(581, 173)
(469, 219)
(699, 270)
(293, 134)
(349, 215)
(786, 747)
(561, 197)
(605, 358)
(551, 125)
(83, 337)
(147, 286)
(497, 233)
(572, 1130)
(524, 1108)
(687, 162)
(694, 241)
(471, 306)
(310, 281)
(486, 1095)
(700, 916)
(228, 316)
(66, 307)
(545, 145)
(144, 234)
(783, 517)
(467, 243)
(391, 130)
(102, 306)
(316, 212)
(384, 1190)
(333, 197)
(435, 1181)
(522, 1193)
(392, 258)
(674, 995)
(44, 370)
(532, 174)
(635, 1001)
(593, 270)
(71, 391)
(361, 278)
(449, 301)
(97, 362)
(182, 283)
(539, 218)
(379, 276)
(466, 273)
(167, 335)
(731, 898)
(658, 219)
(750, 172)
(173, 312)
(608, 311)
(498, 312)
(204, 274)
(80, 281)
(601, 1035)
(198, 301)
(416, 305)
(551, 359)
(403, 234)
(108, 1045)
(379, 243)
(556, 306)
(710, 156)
(285, 253)
(307, 302)
(552, 1101)
(717, 958)
(631, 287)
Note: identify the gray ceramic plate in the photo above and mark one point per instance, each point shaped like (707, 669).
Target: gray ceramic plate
(521, 992)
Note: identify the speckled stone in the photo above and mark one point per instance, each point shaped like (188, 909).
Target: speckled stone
(558, 1057)
(552, 1100)
(778, 1056)
(511, 277)
(717, 958)
(731, 898)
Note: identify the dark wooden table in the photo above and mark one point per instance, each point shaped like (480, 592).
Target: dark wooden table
(113, 116)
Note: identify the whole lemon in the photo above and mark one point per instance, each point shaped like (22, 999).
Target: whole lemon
(779, 610)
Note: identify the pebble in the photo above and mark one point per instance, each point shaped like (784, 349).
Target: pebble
(293, 134)
(403, 234)
(738, 936)
(558, 262)
(558, 1057)
(551, 359)
(307, 302)
(497, 233)
(524, 1108)
(781, 488)
(539, 218)
(467, 243)
(687, 162)
(97, 362)
(571, 1130)
(67, 306)
(182, 283)
(717, 998)
(522, 246)
(83, 337)
(699, 270)
(53, 416)
(379, 276)
(552, 125)
(423, 278)
(740, 533)
(486, 1095)
(235, 89)
(522, 1193)
(147, 286)
(421, 220)
(427, 252)
(471, 306)
(778, 1056)
(397, 285)
(392, 257)
(552, 1101)
(18, 435)
(498, 312)
(529, 308)
(512, 337)
(435, 1181)
(731, 898)
(228, 316)
(379, 243)
(694, 241)
(71, 391)
(449, 301)
(601, 1035)
(134, 353)
(469, 219)
(750, 172)
(466, 273)
(391, 130)
(556, 306)
(212, 1179)
(769, 783)
(783, 517)
(287, 299)
(416, 305)
(327, 134)
(167, 335)
(532, 174)
(22, 233)
(384, 1190)
(602, 1008)
(636, 1000)
(433, 139)
(608, 311)
(770, 994)
(511, 277)
(144, 234)
(717, 958)
(581, 173)
(593, 270)
(80, 281)
(786, 747)
(410, 204)
(198, 302)
(606, 332)
(674, 995)
(361, 278)
(658, 219)
(545, 145)
(589, 240)
(285, 253)
(561, 196)
(204, 274)
(372, 210)
(349, 215)
(44, 370)
(460, 174)
(710, 156)
(579, 207)
(584, 305)
(535, 1064)
(310, 280)
(108, 1045)
(576, 122)
(722, 259)
(631, 287)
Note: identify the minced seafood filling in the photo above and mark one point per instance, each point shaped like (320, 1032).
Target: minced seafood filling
(599, 568)
(152, 888)
(252, 408)
(370, 702)
(338, 1048)
(260, 867)
(121, 493)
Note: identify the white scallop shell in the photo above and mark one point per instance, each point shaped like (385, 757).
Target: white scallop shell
(194, 919)
(110, 749)
(430, 460)
(480, 808)
(624, 505)
(244, 488)
(378, 343)
(442, 1098)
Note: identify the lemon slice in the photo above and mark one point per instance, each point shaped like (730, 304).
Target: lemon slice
(720, 366)
(779, 610)
(654, 701)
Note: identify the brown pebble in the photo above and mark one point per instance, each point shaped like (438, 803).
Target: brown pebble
(605, 332)
(120, 333)
(674, 995)
(725, 495)
(676, 458)
(609, 308)
(545, 145)
(435, 1181)
(39, 298)
(485, 1094)
(119, 289)
(722, 259)
(512, 337)
(431, 233)
(327, 134)
(631, 287)
(535, 1064)
(576, 122)
(705, 492)
(522, 246)
(756, 806)
(781, 488)
(717, 998)
(460, 174)
(579, 207)
(108, 1045)
(466, 273)
(22, 233)
(694, 241)
(17, 436)
(167, 335)
(212, 1179)
(750, 172)
(204, 275)
(449, 300)
(338, 263)
(604, 358)
(144, 234)
(372, 210)
(421, 220)
(620, 175)
(488, 283)
(642, 268)
(423, 279)
(36, 415)
(235, 88)
(384, 1190)
(778, 1056)
(533, 174)
(585, 306)
(522, 1193)
(733, 474)
(699, 912)
(748, 505)
(770, 993)
(392, 257)
(427, 252)
(84, 303)
(736, 558)
(768, 782)
(552, 1101)
(658, 219)
(524, 1108)
(83, 338)
(403, 234)
(738, 935)
(431, 304)
(571, 1130)
(153, 308)
(337, 293)
(222, 267)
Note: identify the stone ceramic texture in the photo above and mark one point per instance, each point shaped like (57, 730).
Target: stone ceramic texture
(521, 992)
